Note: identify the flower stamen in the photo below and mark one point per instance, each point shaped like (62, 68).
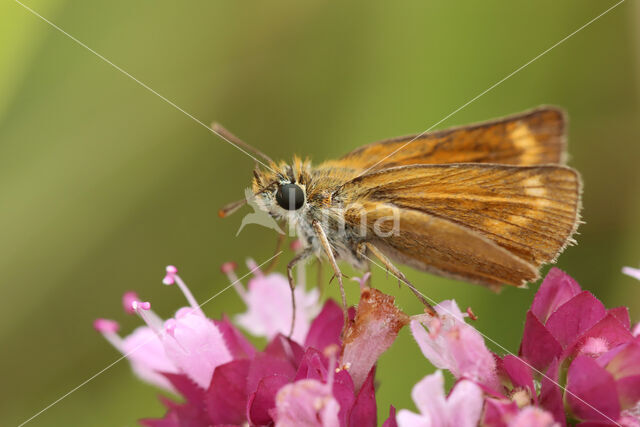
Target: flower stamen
(229, 268)
(109, 330)
(172, 277)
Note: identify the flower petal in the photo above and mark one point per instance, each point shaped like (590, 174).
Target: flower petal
(285, 348)
(364, 411)
(464, 404)
(497, 412)
(632, 272)
(226, 398)
(376, 326)
(269, 308)
(520, 374)
(265, 365)
(407, 418)
(391, 421)
(622, 314)
(192, 393)
(148, 359)
(629, 391)
(196, 346)
(428, 395)
(625, 368)
(432, 348)
(454, 345)
(551, 394)
(626, 361)
(591, 391)
(574, 317)
(314, 365)
(474, 361)
(538, 346)
(325, 329)
(608, 329)
(237, 344)
(306, 403)
(343, 391)
(263, 401)
(556, 288)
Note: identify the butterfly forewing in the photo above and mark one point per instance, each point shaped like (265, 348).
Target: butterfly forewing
(527, 213)
(531, 138)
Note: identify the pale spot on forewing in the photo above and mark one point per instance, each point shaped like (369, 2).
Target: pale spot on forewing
(518, 220)
(524, 141)
(534, 187)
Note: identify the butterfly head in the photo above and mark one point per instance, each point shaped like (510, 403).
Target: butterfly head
(282, 191)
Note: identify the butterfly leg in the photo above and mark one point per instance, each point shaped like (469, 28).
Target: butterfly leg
(301, 257)
(319, 276)
(336, 270)
(275, 260)
(401, 277)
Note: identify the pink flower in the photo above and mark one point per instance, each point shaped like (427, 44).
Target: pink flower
(454, 345)
(461, 408)
(268, 300)
(148, 359)
(569, 329)
(144, 351)
(248, 389)
(189, 343)
(569, 335)
(225, 381)
(195, 345)
(565, 321)
(375, 328)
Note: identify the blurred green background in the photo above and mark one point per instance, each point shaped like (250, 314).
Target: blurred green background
(102, 183)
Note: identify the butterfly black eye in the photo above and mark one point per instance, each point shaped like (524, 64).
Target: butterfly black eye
(290, 197)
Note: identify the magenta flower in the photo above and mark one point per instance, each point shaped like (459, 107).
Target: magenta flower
(224, 380)
(565, 321)
(462, 408)
(570, 339)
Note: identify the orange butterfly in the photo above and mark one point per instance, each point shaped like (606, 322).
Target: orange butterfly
(487, 203)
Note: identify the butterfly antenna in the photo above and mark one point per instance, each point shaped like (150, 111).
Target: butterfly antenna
(218, 129)
(230, 208)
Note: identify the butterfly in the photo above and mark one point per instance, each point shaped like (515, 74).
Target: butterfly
(487, 203)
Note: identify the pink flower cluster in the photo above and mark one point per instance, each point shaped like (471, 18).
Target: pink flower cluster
(314, 380)
(578, 362)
